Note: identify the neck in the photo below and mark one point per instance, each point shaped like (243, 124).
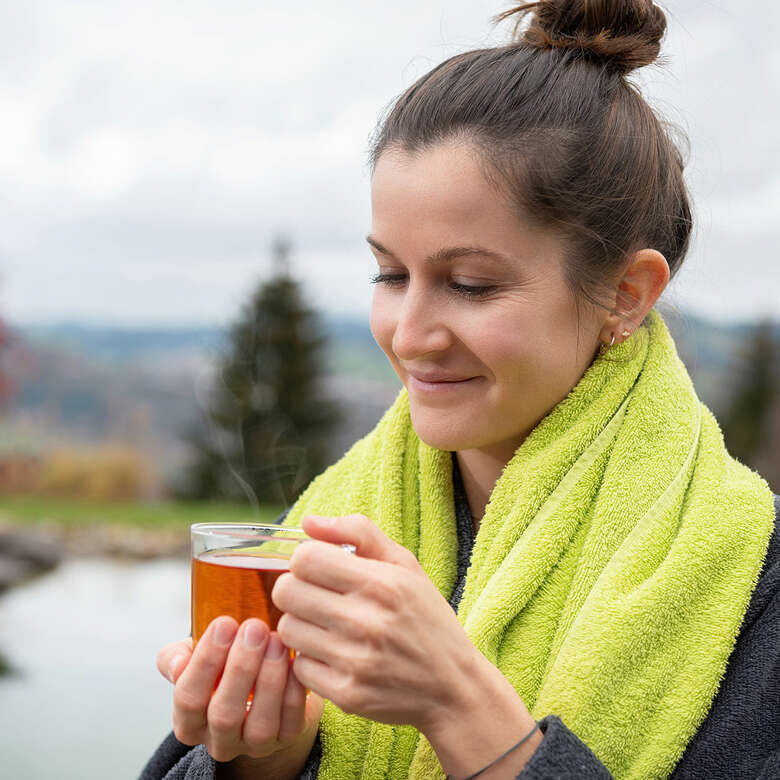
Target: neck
(480, 471)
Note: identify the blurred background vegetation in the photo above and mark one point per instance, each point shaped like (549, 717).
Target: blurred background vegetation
(140, 420)
(162, 428)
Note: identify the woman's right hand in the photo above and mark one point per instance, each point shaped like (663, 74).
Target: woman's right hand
(228, 662)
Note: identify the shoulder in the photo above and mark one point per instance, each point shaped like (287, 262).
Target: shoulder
(740, 732)
(773, 550)
(767, 591)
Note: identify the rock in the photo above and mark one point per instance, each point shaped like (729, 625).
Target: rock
(13, 571)
(39, 550)
(26, 551)
(23, 556)
(128, 542)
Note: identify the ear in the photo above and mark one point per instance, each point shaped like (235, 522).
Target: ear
(643, 280)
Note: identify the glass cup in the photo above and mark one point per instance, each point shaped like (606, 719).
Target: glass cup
(234, 568)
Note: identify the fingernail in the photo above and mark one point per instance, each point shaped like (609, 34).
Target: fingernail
(224, 631)
(174, 665)
(254, 635)
(275, 649)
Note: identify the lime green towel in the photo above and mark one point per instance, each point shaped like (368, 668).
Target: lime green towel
(610, 574)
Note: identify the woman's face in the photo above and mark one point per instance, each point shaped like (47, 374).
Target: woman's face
(471, 306)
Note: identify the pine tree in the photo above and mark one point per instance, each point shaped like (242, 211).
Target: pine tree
(745, 423)
(269, 421)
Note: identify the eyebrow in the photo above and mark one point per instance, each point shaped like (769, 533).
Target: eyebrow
(447, 254)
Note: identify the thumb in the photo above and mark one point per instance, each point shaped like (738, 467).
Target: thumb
(173, 658)
(369, 540)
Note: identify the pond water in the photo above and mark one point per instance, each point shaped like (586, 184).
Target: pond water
(86, 700)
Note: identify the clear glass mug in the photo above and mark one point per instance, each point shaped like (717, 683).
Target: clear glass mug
(234, 569)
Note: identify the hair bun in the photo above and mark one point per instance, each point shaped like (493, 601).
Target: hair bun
(624, 34)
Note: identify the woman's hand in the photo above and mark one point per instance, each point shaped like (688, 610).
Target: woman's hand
(376, 637)
(374, 634)
(212, 685)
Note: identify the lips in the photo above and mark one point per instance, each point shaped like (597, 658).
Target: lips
(434, 378)
(438, 384)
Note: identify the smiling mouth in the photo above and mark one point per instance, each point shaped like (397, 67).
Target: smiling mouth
(442, 385)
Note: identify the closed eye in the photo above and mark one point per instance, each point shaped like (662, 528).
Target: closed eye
(391, 280)
(473, 291)
(465, 290)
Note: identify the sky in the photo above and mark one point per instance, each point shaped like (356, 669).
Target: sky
(150, 151)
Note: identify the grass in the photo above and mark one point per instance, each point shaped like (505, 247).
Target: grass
(27, 510)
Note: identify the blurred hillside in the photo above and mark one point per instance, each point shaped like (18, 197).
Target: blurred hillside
(79, 386)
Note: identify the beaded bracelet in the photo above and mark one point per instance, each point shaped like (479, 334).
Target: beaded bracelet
(503, 755)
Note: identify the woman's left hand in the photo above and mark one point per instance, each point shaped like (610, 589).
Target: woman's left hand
(373, 633)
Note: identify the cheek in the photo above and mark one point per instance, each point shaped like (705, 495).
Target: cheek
(507, 340)
(532, 363)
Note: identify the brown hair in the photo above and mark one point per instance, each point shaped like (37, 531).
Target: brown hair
(562, 131)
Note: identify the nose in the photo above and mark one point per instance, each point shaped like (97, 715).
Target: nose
(420, 328)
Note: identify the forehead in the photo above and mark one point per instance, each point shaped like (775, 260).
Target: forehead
(440, 196)
(446, 178)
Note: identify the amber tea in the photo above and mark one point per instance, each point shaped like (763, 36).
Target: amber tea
(226, 583)
(234, 569)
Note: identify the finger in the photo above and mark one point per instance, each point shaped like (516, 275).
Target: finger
(172, 659)
(261, 725)
(293, 715)
(314, 706)
(178, 665)
(315, 604)
(311, 640)
(192, 691)
(316, 676)
(369, 540)
(227, 709)
(328, 566)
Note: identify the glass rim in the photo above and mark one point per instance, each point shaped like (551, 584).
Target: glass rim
(246, 530)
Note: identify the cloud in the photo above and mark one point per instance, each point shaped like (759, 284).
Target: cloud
(149, 151)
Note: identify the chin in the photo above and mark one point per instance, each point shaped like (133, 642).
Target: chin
(443, 436)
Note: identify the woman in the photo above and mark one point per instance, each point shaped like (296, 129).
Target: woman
(560, 570)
